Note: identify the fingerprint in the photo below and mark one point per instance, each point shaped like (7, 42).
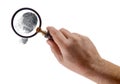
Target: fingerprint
(24, 40)
(29, 22)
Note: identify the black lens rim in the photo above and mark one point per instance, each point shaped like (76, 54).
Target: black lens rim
(25, 8)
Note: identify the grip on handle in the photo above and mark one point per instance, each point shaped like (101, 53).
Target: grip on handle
(47, 35)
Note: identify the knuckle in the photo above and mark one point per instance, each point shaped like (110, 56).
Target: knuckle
(55, 33)
(73, 40)
(62, 29)
(70, 43)
(85, 38)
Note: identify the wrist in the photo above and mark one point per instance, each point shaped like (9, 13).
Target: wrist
(104, 72)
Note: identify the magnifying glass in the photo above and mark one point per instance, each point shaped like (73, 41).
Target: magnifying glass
(26, 23)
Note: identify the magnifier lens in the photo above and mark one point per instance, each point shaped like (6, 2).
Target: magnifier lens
(25, 22)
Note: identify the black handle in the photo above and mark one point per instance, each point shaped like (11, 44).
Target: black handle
(47, 35)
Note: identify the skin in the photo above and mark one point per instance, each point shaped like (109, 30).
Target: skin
(77, 53)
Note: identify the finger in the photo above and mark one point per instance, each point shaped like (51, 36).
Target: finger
(66, 33)
(76, 34)
(55, 49)
(57, 36)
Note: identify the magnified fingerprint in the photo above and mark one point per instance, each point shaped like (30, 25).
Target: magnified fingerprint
(29, 22)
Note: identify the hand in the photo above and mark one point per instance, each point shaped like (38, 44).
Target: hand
(78, 53)
(73, 50)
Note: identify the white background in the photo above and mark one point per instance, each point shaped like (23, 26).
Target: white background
(34, 63)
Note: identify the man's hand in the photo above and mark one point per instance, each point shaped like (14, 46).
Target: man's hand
(78, 53)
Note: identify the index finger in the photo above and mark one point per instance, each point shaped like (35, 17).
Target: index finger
(57, 36)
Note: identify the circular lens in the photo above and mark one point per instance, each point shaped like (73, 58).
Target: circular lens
(25, 21)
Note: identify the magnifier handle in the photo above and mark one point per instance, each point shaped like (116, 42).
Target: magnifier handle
(47, 35)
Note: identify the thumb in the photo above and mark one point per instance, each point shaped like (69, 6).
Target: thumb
(55, 49)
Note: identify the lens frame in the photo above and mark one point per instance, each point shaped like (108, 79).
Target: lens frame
(25, 8)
